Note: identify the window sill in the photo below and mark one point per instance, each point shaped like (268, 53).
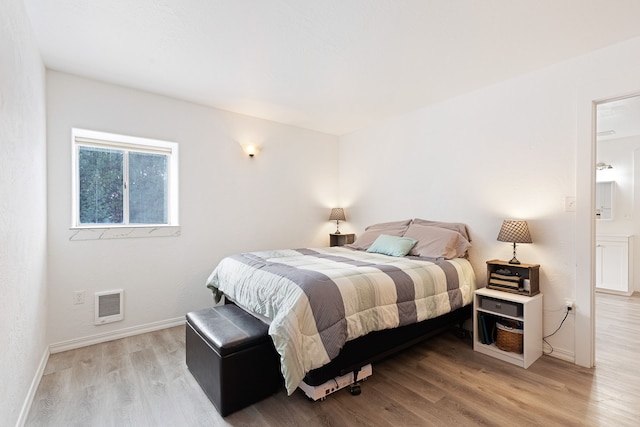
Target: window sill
(123, 232)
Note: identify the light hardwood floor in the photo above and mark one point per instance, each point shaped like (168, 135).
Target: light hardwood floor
(143, 381)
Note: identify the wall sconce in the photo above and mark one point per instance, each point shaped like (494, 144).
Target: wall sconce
(337, 215)
(251, 150)
(602, 166)
(514, 231)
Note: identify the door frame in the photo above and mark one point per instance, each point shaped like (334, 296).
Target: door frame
(593, 93)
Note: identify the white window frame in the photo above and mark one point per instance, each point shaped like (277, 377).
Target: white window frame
(89, 138)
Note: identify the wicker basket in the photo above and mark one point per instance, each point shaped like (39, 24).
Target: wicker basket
(509, 338)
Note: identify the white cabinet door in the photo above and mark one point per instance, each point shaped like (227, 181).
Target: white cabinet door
(612, 264)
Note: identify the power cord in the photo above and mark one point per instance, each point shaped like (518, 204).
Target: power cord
(544, 339)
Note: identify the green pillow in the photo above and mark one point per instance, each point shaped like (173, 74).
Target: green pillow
(392, 245)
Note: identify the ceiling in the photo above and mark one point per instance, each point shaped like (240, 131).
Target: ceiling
(329, 65)
(619, 118)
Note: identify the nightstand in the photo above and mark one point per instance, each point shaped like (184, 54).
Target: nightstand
(491, 306)
(341, 239)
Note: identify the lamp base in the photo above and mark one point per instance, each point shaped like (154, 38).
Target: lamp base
(514, 260)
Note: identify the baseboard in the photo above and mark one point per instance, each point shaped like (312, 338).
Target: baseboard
(26, 406)
(114, 335)
(567, 356)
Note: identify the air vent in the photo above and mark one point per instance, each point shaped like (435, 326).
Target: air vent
(108, 307)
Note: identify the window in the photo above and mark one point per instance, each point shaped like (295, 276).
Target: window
(123, 181)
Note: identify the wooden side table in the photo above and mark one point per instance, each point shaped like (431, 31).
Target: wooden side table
(341, 239)
(530, 272)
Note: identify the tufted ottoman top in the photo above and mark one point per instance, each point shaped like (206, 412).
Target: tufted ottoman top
(228, 328)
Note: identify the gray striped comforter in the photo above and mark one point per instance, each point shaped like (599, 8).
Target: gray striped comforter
(317, 299)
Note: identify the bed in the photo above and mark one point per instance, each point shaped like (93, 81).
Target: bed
(332, 309)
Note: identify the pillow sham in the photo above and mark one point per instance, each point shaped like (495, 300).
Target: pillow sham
(392, 245)
(386, 225)
(436, 242)
(455, 226)
(366, 239)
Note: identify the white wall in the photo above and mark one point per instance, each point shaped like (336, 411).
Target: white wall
(507, 151)
(228, 202)
(23, 211)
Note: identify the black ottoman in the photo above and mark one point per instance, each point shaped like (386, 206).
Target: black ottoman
(230, 354)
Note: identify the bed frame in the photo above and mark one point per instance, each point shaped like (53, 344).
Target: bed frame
(379, 345)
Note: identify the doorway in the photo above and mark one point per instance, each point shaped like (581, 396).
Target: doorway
(590, 95)
(617, 202)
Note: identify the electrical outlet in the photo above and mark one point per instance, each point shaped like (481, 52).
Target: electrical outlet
(78, 297)
(569, 304)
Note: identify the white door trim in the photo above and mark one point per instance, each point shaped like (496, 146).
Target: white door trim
(627, 83)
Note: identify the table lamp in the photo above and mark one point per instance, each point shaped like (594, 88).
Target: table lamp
(514, 231)
(337, 215)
